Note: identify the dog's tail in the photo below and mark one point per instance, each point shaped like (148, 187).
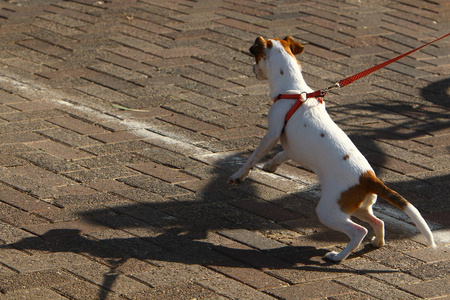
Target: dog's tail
(380, 189)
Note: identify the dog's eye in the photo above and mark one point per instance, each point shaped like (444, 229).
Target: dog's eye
(253, 50)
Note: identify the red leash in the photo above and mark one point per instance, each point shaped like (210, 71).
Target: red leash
(362, 74)
(345, 81)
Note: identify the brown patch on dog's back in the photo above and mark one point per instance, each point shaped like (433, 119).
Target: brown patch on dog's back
(281, 72)
(346, 156)
(353, 198)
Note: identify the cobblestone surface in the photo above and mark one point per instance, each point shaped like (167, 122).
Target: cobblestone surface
(121, 120)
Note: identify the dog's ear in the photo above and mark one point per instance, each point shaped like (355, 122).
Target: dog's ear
(295, 46)
(258, 46)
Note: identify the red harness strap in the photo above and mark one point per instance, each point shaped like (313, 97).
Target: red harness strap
(299, 102)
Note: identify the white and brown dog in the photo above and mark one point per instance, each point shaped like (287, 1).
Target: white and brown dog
(311, 138)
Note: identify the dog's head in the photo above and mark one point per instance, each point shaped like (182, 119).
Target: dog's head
(263, 49)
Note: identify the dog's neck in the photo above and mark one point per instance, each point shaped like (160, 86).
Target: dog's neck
(285, 75)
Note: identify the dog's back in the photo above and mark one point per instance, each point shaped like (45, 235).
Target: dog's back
(313, 139)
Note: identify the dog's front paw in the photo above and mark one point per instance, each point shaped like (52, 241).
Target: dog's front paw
(377, 243)
(333, 256)
(270, 167)
(237, 178)
(232, 180)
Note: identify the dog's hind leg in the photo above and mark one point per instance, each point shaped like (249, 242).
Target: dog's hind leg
(340, 221)
(355, 232)
(365, 213)
(279, 159)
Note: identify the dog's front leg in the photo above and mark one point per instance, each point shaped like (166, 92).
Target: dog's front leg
(276, 125)
(279, 159)
(267, 143)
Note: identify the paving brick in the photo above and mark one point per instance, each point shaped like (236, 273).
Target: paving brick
(73, 14)
(100, 275)
(131, 53)
(33, 280)
(40, 174)
(251, 239)
(324, 53)
(232, 289)
(111, 172)
(388, 275)
(236, 133)
(35, 263)
(32, 125)
(50, 162)
(43, 47)
(103, 198)
(431, 271)
(192, 110)
(121, 147)
(23, 201)
(189, 123)
(310, 290)
(11, 161)
(81, 289)
(254, 278)
(25, 65)
(53, 230)
(14, 116)
(122, 61)
(240, 25)
(374, 288)
(112, 160)
(24, 137)
(68, 138)
(117, 71)
(162, 172)
(429, 255)
(111, 82)
(59, 150)
(77, 125)
(153, 185)
(33, 293)
(430, 289)
(75, 189)
(8, 98)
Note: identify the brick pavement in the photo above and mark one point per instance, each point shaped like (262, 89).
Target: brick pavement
(120, 121)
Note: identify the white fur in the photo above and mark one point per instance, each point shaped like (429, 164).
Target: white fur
(311, 138)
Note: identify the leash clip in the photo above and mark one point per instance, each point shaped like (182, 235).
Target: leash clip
(334, 86)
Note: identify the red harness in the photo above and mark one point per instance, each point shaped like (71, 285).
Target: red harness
(300, 101)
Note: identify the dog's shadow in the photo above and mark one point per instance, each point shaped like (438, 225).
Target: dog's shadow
(224, 226)
(211, 229)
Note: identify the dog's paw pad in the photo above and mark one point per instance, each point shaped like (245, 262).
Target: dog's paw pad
(377, 243)
(333, 256)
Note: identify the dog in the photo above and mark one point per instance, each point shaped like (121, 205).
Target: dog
(349, 185)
